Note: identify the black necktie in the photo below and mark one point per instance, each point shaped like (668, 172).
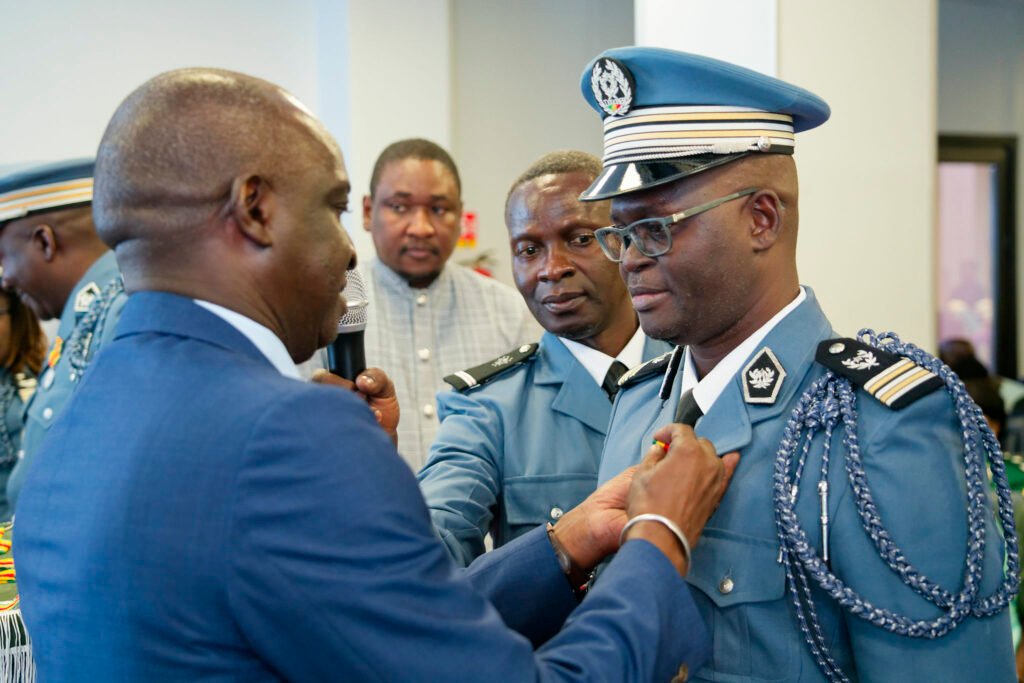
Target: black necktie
(611, 379)
(688, 412)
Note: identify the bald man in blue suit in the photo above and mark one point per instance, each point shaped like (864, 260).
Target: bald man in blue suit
(199, 513)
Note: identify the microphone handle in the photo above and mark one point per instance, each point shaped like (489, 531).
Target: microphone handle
(346, 356)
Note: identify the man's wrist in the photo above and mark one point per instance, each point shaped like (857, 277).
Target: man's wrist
(578, 577)
(664, 540)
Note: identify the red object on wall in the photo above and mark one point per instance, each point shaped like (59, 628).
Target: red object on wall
(467, 238)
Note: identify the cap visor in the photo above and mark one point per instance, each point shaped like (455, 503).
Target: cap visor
(620, 179)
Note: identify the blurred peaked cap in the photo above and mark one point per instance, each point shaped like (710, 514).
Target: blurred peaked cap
(44, 187)
(671, 114)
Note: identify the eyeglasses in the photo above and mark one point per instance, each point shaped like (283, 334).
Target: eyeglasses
(653, 236)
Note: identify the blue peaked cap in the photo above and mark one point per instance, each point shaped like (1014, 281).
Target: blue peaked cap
(670, 114)
(35, 188)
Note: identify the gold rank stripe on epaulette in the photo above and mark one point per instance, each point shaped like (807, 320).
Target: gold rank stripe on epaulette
(23, 202)
(646, 370)
(893, 380)
(482, 374)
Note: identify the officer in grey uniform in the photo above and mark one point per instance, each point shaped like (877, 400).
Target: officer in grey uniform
(521, 435)
(52, 257)
(857, 541)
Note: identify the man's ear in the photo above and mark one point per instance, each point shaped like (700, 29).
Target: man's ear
(367, 212)
(44, 240)
(252, 205)
(766, 209)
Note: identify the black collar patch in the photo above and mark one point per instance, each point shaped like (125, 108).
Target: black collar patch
(762, 378)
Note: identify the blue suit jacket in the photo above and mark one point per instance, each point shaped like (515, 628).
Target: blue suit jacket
(195, 515)
(518, 451)
(914, 465)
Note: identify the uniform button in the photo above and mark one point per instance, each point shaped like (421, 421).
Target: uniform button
(21, 454)
(424, 354)
(725, 586)
(836, 348)
(421, 300)
(428, 410)
(556, 512)
(47, 413)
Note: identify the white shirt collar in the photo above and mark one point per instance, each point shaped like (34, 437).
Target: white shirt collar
(709, 388)
(261, 337)
(597, 363)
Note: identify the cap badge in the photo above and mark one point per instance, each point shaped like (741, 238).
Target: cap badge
(762, 378)
(613, 86)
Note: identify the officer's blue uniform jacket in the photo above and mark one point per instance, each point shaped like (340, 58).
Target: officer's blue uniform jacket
(196, 516)
(53, 392)
(517, 451)
(914, 465)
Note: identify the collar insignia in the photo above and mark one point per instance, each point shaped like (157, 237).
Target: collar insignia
(762, 378)
(613, 86)
(85, 296)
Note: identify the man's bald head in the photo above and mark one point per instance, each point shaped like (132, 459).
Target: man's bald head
(219, 186)
(174, 147)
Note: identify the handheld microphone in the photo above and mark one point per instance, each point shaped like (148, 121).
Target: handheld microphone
(346, 356)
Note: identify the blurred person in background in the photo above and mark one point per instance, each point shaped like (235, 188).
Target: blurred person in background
(52, 257)
(429, 317)
(22, 349)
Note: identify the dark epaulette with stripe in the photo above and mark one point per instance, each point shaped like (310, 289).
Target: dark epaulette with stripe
(654, 366)
(893, 380)
(482, 374)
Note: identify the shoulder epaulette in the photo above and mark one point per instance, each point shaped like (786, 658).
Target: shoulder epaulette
(893, 380)
(653, 367)
(482, 374)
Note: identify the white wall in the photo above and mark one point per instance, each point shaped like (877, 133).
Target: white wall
(981, 87)
(399, 71)
(867, 207)
(373, 71)
(743, 32)
(379, 71)
(516, 96)
(67, 64)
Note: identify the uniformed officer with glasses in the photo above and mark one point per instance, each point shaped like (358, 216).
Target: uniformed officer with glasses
(841, 551)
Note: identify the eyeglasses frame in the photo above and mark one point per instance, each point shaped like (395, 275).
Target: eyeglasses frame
(665, 221)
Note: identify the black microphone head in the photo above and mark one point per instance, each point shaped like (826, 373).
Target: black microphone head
(354, 319)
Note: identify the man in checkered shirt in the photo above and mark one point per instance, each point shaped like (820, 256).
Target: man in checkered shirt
(428, 318)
